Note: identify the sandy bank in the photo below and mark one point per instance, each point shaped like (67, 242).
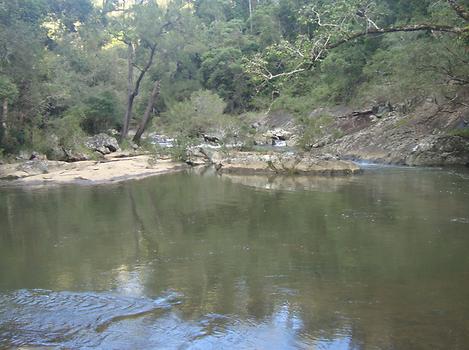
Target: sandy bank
(109, 170)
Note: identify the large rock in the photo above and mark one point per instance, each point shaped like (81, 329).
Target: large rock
(34, 167)
(102, 143)
(448, 150)
(423, 138)
(256, 163)
(203, 155)
(278, 136)
(75, 156)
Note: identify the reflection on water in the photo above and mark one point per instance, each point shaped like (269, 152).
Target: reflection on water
(70, 319)
(202, 262)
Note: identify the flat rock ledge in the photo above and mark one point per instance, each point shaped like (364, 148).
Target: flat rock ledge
(109, 170)
(251, 163)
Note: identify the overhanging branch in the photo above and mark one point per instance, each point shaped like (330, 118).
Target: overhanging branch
(409, 28)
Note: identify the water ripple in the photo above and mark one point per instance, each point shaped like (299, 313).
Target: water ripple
(45, 318)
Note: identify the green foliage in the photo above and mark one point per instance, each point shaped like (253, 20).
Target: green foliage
(64, 58)
(223, 72)
(298, 105)
(8, 90)
(460, 132)
(414, 66)
(192, 117)
(101, 113)
(68, 129)
(313, 129)
(179, 151)
(58, 136)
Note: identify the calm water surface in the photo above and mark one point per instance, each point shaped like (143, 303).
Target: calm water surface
(190, 261)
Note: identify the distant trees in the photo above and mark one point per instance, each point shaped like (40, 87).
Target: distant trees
(340, 22)
(27, 29)
(222, 71)
(8, 91)
(114, 64)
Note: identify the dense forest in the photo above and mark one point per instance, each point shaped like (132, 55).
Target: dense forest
(71, 68)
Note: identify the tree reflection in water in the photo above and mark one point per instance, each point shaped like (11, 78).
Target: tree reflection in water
(373, 261)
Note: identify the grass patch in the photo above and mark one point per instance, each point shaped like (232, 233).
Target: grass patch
(460, 132)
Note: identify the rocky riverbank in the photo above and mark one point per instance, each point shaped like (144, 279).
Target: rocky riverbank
(112, 169)
(117, 167)
(429, 134)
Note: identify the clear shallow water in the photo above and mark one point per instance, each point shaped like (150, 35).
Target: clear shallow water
(377, 261)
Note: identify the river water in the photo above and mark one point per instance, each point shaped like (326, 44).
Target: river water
(196, 261)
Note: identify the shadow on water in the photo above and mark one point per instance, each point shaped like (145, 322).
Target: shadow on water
(372, 261)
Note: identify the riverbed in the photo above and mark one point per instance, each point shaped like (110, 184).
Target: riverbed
(195, 260)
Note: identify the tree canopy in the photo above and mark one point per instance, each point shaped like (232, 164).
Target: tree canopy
(99, 62)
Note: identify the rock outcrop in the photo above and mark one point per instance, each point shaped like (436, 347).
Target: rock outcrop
(278, 163)
(422, 134)
(34, 166)
(111, 170)
(436, 150)
(203, 155)
(421, 139)
(102, 143)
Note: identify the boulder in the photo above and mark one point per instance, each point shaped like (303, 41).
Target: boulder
(439, 150)
(75, 156)
(196, 156)
(34, 167)
(102, 143)
(203, 155)
(211, 139)
(278, 136)
(37, 156)
(157, 139)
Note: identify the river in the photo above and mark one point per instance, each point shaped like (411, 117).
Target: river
(197, 261)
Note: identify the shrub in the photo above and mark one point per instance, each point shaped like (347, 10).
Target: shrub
(101, 113)
(192, 117)
(460, 132)
(314, 129)
(179, 151)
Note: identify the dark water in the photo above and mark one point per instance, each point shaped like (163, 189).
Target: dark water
(377, 261)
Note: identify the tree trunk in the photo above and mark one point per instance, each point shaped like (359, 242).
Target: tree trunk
(130, 91)
(133, 89)
(3, 120)
(250, 14)
(147, 115)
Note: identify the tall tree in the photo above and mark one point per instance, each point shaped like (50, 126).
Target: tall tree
(148, 111)
(141, 27)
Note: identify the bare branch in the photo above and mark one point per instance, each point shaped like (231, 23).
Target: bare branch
(409, 28)
(333, 35)
(286, 74)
